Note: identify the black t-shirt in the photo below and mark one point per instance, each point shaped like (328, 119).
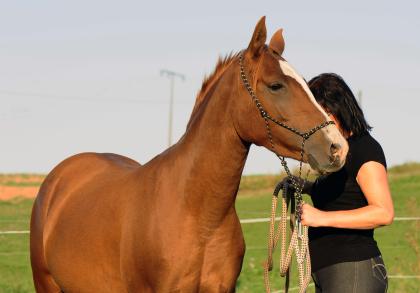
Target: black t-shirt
(340, 191)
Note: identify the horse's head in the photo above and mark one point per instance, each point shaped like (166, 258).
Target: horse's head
(286, 99)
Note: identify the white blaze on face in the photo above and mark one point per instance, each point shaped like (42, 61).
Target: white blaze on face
(289, 71)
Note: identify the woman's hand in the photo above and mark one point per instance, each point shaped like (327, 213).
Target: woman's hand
(312, 216)
(306, 188)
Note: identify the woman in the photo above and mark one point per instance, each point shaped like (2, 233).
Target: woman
(350, 203)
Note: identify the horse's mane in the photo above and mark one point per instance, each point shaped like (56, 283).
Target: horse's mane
(209, 80)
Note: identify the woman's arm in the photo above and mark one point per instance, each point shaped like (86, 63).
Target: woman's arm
(372, 179)
(307, 188)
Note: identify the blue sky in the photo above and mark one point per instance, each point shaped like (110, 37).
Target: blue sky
(84, 75)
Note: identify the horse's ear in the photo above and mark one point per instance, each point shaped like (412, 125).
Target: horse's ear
(258, 38)
(277, 43)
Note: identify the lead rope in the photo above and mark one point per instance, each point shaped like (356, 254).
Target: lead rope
(298, 244)
(299, 238)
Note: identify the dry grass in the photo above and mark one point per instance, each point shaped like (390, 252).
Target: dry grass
(404, 170)
(19, 185)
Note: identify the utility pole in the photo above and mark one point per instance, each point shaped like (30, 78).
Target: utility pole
(171, 75)
(359, 97)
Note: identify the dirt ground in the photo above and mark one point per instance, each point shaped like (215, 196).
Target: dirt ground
(19, 185)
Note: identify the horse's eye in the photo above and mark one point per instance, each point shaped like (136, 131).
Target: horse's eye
(276, 86)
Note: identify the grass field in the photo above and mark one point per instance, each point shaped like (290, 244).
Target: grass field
(399, 243)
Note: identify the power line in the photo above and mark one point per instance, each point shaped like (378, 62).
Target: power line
(86, 99)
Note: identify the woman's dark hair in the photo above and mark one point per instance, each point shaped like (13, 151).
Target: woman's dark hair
(334, 95)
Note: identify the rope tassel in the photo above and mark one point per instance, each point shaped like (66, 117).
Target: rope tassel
(298, 243)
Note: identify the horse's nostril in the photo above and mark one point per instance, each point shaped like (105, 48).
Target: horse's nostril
(335, 147)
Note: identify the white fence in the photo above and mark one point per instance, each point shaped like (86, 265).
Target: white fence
(243, 221)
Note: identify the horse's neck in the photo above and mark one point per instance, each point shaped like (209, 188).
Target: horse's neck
(213, 155)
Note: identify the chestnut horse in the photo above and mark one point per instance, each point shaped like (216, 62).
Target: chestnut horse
(104, 223)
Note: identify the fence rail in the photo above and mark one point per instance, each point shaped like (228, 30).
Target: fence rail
(243, 221)
(263, 220)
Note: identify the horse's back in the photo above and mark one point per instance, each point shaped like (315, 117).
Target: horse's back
(77, 173)
(80, 199)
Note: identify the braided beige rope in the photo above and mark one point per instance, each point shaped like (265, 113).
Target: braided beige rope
(296, 245)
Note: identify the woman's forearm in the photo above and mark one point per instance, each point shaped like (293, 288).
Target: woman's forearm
(367, 217)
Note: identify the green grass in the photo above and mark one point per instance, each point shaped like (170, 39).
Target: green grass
(399, 243)
(15, 271)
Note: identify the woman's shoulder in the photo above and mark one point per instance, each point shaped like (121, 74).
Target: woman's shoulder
(362, 149)
(365, 142)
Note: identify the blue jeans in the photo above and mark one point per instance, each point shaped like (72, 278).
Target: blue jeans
(366, 276)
